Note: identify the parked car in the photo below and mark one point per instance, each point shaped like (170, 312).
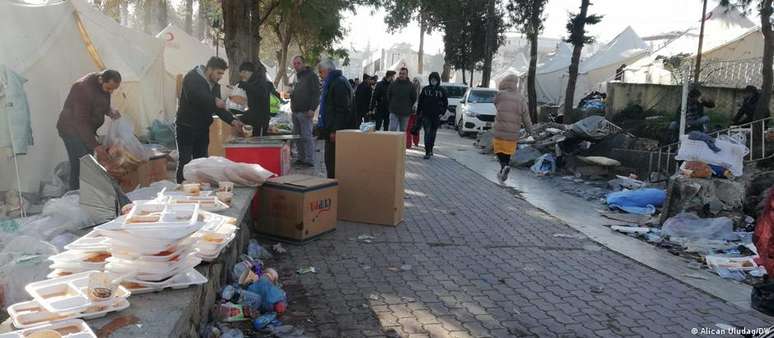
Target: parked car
(454, 92)
(476, 111)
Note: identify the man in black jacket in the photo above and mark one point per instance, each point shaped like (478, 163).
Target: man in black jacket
(379, 104)
(335, 110)
(746, 113)
(199, 99)
(433, 103)
(363, 95)
(304, 99)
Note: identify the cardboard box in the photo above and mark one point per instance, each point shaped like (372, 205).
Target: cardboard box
(136, 178)
(297, 207)
(370, 168)
(220, 134)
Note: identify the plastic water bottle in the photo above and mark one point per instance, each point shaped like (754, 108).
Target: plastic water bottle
(263, 321)
(227, 293)
(251, 300)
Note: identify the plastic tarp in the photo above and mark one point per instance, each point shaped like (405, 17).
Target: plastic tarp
(43, 44)
(641, 201)
(721, 27)
(549, 75)
(691, 226)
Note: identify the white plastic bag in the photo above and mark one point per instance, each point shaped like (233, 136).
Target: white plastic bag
(731, 154)
(544, 165)
(120, 135)
(238, 92)
(214, 169)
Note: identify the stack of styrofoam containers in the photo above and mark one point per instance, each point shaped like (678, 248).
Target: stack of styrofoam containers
(88, 253)
(64, 298)
(153, 246)
(217, 233)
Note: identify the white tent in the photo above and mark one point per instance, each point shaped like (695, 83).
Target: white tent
(182, 52)
(597, 70)
(55, 44)
(722, 25)
(548, 79)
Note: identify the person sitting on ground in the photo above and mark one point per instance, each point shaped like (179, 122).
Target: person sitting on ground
(746, 113)
(512, 114)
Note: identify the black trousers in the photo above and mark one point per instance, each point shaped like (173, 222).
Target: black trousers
(330, 158)
(382, 119)
(75, 150)
(431, 129)
(504, 159)
(191, 144)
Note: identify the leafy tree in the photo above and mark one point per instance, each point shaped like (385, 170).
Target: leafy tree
(242, 20)
(401, 12)
(765, 9)
(576, 27)
(674, 64)
(529, 17)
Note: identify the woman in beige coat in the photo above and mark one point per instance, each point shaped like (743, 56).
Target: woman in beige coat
(512, 114)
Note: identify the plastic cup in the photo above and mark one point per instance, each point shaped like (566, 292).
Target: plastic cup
(226, 186)
(100, 286)
(225, 196)
(192, 188)
(247, 130)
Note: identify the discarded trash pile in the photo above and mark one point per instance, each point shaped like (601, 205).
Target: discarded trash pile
(254, 294)
(153, 247)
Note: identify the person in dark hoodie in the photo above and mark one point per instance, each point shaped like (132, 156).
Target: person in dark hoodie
(379, 104)
(199, 99)
(335, 110)
(363, 95)
(433, 102)
(401, 96)
(258, 89)
(746, 113)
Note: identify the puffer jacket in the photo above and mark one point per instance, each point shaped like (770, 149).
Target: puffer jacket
(512, 113)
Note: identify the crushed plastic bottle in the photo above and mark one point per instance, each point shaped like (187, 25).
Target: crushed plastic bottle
(228, 293)
(256, 251)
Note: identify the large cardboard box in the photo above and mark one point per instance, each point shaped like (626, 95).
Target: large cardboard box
(297, 207)
(370, 168)
(220, 134)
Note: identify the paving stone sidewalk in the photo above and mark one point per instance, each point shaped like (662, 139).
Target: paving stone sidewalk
(472, 259)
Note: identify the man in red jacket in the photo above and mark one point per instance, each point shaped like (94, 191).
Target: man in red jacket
(83, 113)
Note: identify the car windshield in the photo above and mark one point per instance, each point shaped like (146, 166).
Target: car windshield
(455, 91)
(482, 96)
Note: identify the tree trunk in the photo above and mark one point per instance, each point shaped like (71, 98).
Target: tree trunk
(445, 72)
(124, 12)
(472, 72)
(421, 53)
(762, 110)
(697, 66)
(240, 18)
(531, 90)
(188, 21)
(489, 43)
(162, 19)
(578, 32)
(464, 80)
(284, 34)
(147, 18)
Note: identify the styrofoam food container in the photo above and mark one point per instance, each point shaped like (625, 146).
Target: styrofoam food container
(76, 259)
(207, 203)
(92, 241)
(206, 246)
(69, 293)
(189, 263)
(180, 252)
(156, 214)
(207, 216)
(123, 247)
(143, 267)
(74, 328)
(126, 239)
(180, 281)
(29, 314)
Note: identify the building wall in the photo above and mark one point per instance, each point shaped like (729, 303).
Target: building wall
(666, 99)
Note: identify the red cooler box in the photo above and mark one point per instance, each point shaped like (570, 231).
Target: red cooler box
(272, 156)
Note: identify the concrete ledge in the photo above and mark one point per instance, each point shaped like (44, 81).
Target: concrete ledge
(180, 313)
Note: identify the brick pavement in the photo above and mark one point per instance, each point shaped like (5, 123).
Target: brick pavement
(474, 260)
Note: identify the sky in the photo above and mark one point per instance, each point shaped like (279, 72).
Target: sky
(647, 17)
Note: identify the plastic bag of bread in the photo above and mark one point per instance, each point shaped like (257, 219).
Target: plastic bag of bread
(122, 145)
(696, 169)
(215, 169)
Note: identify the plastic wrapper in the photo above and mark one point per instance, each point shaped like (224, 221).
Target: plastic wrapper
(215, 169)
(124, 148)
(22, 261)
(730, 156)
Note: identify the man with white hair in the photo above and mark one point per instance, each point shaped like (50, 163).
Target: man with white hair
(335, 110)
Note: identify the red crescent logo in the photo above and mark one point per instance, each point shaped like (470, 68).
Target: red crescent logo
(169, 36)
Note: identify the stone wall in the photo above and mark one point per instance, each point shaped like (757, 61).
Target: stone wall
(666, 99)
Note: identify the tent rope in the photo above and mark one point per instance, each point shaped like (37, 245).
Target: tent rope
(90, 48)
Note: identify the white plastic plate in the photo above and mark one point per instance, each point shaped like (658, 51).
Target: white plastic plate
(180, 281)
(68, 294)
(74, 328)
(92, 241)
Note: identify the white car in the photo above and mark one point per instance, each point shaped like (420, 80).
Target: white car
(476, 111)
(454, 92)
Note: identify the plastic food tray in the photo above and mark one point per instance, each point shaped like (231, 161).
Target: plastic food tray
(79, 260)
(178, 193)
(206, 203)
(734, 263)
(180, 281)
(68, 294)
(156, 214)
(75, 328)
(137, 274)
(180, 252)
(140, 266)
(208, 253)
(29, 314)
(142, 249)
(207, 216)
